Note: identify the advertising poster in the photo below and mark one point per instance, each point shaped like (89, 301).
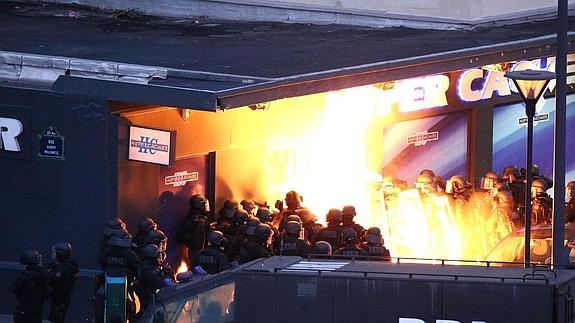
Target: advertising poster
(438, 143)
(510, 137)
(176, 184)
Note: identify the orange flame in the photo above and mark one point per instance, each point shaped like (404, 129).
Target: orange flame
(182, 268)
(334, 165)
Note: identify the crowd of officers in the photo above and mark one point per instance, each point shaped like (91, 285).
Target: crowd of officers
(37, 284)
(504, 194)
(237, 234)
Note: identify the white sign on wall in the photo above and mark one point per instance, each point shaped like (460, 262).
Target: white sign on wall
(10, 129)
(151, 145)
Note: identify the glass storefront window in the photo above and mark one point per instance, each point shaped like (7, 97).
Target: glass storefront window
(214, 306)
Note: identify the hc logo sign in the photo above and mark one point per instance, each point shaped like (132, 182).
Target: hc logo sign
(146, 145)
(10, 129)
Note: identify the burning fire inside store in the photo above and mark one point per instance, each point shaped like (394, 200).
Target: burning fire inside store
(339, 162)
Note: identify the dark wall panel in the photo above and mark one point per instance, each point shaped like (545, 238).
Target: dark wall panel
(44, 201)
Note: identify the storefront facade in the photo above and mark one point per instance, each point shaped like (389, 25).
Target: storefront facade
(331, 136)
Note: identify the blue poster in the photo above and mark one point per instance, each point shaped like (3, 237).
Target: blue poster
(437, 143)
(510, 137)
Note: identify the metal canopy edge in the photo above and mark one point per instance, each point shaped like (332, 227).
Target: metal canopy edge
(146, 94)
(361, 75)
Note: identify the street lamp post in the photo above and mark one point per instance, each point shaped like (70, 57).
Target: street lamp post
(531, 85)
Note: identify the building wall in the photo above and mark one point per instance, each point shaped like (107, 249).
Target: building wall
(46, 201)
(437, 14)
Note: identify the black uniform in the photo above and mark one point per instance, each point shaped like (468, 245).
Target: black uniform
(252, 249)
(194, 232)
(357, 227)
(211, 259)
(541, 209)
(350, 250)
(119, 257)
(293, 246)
(30, 289)
(570, 211)
(150, 279)
(377, 250)
(62, 279)
(331, 234)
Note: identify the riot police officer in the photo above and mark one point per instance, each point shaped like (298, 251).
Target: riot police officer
(542, 204)
(350, 244)
(119, 255)
(505, 205)
(309, 225)
(265, 217)
(145, 225)
(331, 233)
(212, 259)
(293, 202)
(459, 189)
(257, 245)
(235, 235)
(30, 289)
(193, 233)
(62, 273)
(513, 177)
(226, 213)
(112, 226)
(150, 275)
(160, 240)
(570, 202)
(348, 213)
(374, 245)
(291, 244)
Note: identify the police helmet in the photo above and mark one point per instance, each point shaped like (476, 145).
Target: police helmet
(374, 235)
(293, 217)
(116, 223)
(229, 209)
(146, 225)
(322, 248)
(264, 232)
(158, 238)
(427, 172)
(348, 210)
(62, 250)
(538, 187)
(456, 184)
(240, 217)
(293, 228)
(535, 170)
(334, 215)
(249, 206)
(264, 214)
(349, 235)
(251, 225)
(217, 238)
(31, 258)
(150, 251)
(293, 199)
(511, 173)
(120, 238)
(198, 202)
